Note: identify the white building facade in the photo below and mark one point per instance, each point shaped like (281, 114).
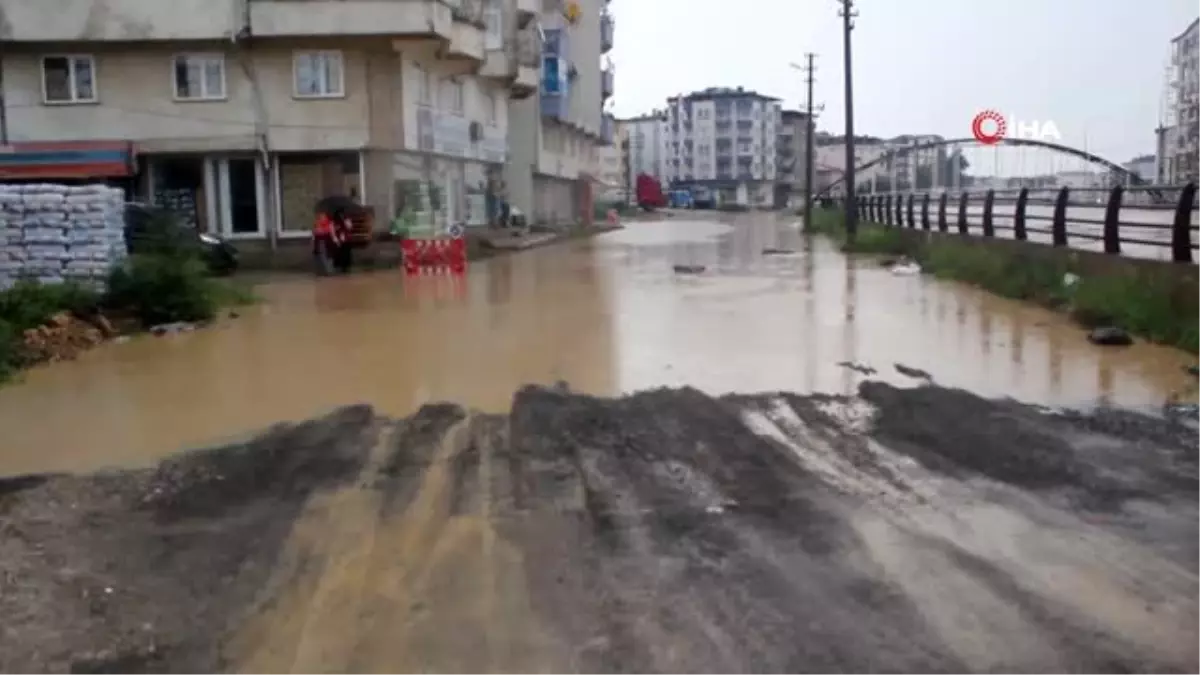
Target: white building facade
(643, 151)
(555, 135)
(401, 104)
(1179, 133)
(723, 140)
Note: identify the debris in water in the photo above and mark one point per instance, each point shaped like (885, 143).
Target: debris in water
(777, 251)
(915, 373)
(690, 269)
(858, 367)
(1110, 336)
(176, 327)
(906, 268)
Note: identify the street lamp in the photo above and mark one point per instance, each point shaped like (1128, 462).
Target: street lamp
(848, 13)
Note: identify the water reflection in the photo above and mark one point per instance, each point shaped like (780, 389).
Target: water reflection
(607, 315)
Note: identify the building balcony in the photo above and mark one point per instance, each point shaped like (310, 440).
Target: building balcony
(527, 11)
(558, 42)
(608, 125)
(606, 32)
(606, 82)
(468, 34)
(328, 18)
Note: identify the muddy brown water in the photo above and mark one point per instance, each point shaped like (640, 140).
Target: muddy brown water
(607, 315)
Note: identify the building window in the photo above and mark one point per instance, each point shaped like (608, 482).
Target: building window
(492, 103)
(452, 96)
(424, 86)
(199, 77)
(69, 79)
(318, 74)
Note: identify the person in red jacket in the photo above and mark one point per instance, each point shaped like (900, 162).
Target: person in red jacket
(329, 242)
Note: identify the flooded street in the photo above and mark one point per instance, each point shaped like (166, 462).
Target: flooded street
(521, 528)
(607, 315)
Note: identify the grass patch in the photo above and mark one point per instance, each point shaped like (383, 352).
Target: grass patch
(169, 285)
(1154, 306)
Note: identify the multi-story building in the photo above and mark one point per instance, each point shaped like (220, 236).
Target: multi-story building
(725, 140)
(643, 149)
(1179, 133)
(1143, 166)
(554, 136)
(241, 113)
(794, 129)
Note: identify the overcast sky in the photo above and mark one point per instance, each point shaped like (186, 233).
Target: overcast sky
(1095, 68)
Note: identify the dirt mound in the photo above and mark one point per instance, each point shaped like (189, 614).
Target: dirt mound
(922, 530)
(63, 337)
(142, 571)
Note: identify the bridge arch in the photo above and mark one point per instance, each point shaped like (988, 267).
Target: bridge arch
(1132, 177)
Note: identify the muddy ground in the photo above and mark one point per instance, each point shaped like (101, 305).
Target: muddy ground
(920, 530)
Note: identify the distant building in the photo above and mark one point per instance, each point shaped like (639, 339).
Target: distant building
(725, 140)
(642, 147)
(1179, 135)
(1144, 166)
(794, 129)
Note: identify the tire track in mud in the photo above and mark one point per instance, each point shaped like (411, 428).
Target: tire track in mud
(921, 530)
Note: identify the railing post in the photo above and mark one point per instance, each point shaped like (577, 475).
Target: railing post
(962, 213)
(1112, 222)
(899, 210)
(942, 211)
(925, 212)
(1181, 230)
(1019, 215)
(1058, 227)
(887, 209)
(989, 203)
(912, 221)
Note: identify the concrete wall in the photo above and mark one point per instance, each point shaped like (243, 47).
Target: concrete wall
(118, 20)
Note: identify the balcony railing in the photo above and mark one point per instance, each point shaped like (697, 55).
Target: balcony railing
(606, 82)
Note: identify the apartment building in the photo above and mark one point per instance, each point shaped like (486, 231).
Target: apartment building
(642, 149)
(723, 139)
(1179, 134)
(239, 114)
(794, 129)
(554, 136)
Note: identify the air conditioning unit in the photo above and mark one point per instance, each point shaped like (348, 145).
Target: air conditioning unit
(475, 131)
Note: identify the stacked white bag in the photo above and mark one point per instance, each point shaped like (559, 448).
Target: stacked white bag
(56, 233)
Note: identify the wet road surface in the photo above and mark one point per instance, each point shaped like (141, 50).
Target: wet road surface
(901, 530)
(607, 315)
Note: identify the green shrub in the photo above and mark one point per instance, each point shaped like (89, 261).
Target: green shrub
(10, 342)
(163, 289)
(29, 304)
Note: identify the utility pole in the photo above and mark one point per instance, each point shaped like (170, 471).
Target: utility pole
(811, 127)
(847, 13)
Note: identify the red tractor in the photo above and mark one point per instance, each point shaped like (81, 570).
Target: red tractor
(650, 193)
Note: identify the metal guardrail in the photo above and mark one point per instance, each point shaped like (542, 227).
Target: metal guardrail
(901, 210)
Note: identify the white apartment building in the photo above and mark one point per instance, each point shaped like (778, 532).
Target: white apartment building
(644, 150)
(240, 114)
(1179, 133)
(554, 136)
(725, 140)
